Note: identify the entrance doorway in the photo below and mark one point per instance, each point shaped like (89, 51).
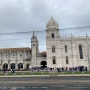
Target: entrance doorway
(12, 66)
(43, 64)
(20, 66)
(27, 66)
(5, 66)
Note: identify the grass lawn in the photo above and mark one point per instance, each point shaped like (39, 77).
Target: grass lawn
(39, 73)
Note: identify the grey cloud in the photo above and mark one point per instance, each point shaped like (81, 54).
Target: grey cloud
(26, 15)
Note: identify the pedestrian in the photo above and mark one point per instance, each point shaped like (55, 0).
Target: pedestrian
(4, 71)
(13, 70)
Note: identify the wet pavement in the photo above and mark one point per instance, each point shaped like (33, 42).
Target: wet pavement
(45, 83)
(45, 88)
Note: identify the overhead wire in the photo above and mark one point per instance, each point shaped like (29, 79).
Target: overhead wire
(84, 27)
(27, 32)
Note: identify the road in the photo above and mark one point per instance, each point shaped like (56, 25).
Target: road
(45, 83)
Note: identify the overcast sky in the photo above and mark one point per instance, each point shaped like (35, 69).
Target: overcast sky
(29, 15)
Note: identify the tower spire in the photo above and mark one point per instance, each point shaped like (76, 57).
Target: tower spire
(33, 33)
(33, 36)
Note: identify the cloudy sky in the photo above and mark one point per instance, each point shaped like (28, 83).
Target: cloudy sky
(29, 15)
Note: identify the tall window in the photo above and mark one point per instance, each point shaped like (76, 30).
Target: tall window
(13, 56)
(6, 56)
(54, 59)
(80, 52)
(65, 48)
(66, 59)
(53, 49)
(21, 55)
(52, 35)
(33, 44)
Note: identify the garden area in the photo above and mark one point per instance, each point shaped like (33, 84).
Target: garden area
(9, 73)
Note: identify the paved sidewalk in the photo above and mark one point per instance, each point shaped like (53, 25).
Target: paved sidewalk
(45, 75)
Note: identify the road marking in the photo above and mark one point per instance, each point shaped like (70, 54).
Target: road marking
(39, 87)
(77, 87)
(44, 87)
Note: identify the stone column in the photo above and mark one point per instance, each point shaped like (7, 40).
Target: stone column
(24, 65)
(9, 59)
(24, 59)
(16, 66)
(87, 56)
(9, 64)
(72, 47)
(2, 59)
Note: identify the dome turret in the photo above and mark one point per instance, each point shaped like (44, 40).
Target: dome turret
(52, 24)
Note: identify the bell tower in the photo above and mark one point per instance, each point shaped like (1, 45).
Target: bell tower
(52, 43)
(52, 30)
(34, 50)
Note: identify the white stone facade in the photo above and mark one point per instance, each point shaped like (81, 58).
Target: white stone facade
(22, 58)
(17, 58)
(66, 52)
(60, 52)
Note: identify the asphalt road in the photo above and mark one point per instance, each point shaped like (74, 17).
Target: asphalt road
(45, 83)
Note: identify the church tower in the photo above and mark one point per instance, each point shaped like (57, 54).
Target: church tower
(34, 50)
(52, 43)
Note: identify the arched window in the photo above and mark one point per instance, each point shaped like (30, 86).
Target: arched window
(80, 52)
(54, 59)
(65, 48)
(20, 66)
(53, 49)
(52, 35)
(66, 59)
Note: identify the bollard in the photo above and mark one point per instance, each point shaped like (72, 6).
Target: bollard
(5, 73)
(23, 73)
(31, 73)
(53, 73)
(14, 73)
(62, 72)
(82, 72)
(73, 72)
(42, 73)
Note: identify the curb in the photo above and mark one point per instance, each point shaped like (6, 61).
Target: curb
(45, 75)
